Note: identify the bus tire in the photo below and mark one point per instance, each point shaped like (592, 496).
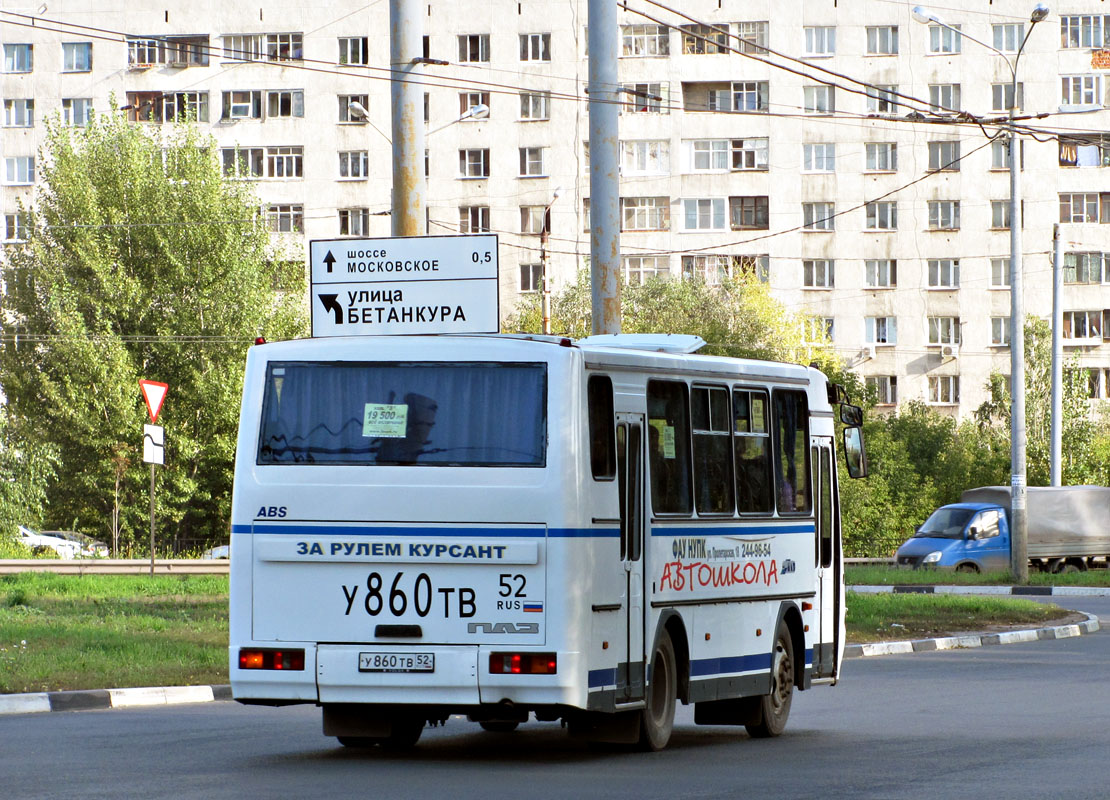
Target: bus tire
(657, 718)
(774, 707)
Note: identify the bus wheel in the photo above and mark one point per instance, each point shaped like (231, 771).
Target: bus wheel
(499, 725)
(657, 718)
(775, 707)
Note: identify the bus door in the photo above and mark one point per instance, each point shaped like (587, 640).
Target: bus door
(630, 478)
(827, 555)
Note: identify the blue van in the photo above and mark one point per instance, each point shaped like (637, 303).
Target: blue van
(965, 537)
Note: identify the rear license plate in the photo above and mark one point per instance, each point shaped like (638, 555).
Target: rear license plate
(396, 662)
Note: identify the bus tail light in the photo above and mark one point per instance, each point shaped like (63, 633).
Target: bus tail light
(522, 663)
(257, 658)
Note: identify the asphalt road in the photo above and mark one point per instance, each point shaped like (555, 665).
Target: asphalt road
(1012, 721)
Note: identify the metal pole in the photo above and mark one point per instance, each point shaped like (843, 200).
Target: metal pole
(545, 298)
(1057, 355)
(406, 47)
(604, 176)
(152, 518)
(1019, 562)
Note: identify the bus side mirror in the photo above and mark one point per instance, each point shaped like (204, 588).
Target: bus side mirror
(854, 454)
(850, 415)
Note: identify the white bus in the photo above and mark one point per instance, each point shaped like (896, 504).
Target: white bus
(503, 526)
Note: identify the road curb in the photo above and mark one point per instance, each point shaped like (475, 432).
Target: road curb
(1017, 591)
(972, 640)
(101, 699)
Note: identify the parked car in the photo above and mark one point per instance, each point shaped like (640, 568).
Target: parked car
(40, 542)
(88, 546)
(221, 551)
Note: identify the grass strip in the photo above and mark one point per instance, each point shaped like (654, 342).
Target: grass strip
(892, 576)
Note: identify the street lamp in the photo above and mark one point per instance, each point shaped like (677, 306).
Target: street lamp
(1019, 563)
(545, 229)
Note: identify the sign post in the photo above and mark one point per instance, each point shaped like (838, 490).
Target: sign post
(418, 284)
(154, 443)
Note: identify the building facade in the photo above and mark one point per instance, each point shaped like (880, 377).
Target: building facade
(833, 149)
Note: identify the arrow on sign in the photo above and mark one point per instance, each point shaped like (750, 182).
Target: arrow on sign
(154, 393)
(331, 303)
(329, 259)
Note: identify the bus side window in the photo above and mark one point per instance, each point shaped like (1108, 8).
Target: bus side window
(752, 449)
(669, 447)
(792, 478)
(599, 396)
(712, 456)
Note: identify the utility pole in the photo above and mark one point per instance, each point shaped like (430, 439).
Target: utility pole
(406, 50)
(604, 92)
(1057, 356)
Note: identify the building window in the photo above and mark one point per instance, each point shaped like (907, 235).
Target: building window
(882, 40)
(944, 389)
(704, 214)
(645, 213)
(242, 105)
(19, 170)
(535, 47)
(264, 47)
(713, 268)
(354, 164)
(645, 41)
(885, 388)
(944, 330)
(881, 273)
(532, 218)
(533, 105)
(818, 100)
(643, 98)
(1085, 31)
(354, 222)
(880, 330)
(1081, 90)
(881, 156)
(1086, 268)
(818, 330)
(818, 216)
(749, 154)
(817, 273)
(286, 218)
(1000, 273)
(753, 37)
(1000, 214)
(78, 111)
(944, 41)
(1085, 207)
(944, 273)
(473, 219)
(474, 163)
(750, 96)
(285, 103)
(349, 114)
(1000, 154)
(172, 51)
(531, 277)
(820, 41)
(19, 113)
(944, 156)
(882, 99)
(638, 270)
(704, 39)
(284, 162)
(1082, 324)
(76, 56)
(353, 50)
(243, 162)
(647, 157)
(944, 96)
(882, 215)
(1085, 150)
(16, 227)
(749, 213)
(819, 157)
(1008, 37)
(18, 58)
(1002, 96)
(1000, 331)
(531, 162)
(474, 48)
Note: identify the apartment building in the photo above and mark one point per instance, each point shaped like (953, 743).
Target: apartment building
(833, 149)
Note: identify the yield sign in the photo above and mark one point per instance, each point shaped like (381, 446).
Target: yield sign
(154, 393)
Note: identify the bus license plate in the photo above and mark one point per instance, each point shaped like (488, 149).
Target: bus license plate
(396, 662)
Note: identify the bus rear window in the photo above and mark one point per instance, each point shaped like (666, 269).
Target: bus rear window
(419, 414)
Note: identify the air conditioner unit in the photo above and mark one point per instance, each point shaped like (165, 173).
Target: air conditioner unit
(948, 351)
(868, 352)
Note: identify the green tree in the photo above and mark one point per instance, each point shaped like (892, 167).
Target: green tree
(26, 465)
(142, 261)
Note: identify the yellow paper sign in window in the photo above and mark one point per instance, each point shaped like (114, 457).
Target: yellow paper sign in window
(385, 421)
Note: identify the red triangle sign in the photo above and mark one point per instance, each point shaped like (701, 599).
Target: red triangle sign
(154, 393)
